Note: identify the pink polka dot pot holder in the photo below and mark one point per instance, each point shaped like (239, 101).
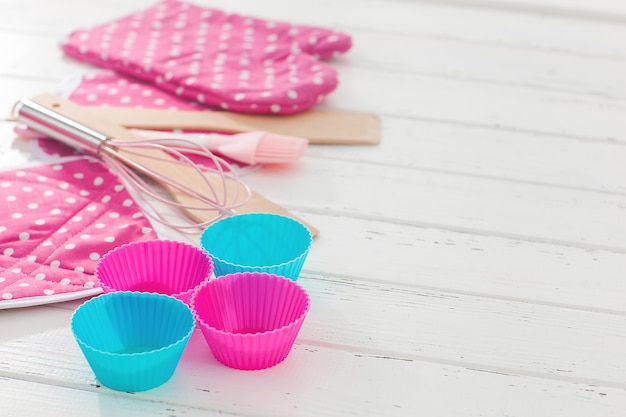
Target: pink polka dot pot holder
(218, 59)
(58, 220)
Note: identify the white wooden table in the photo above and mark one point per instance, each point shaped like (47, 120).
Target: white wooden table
(472, 264)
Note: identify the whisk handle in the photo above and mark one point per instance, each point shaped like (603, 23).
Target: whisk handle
(67, 122)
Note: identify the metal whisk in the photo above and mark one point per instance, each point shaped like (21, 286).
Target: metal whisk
(201, 193)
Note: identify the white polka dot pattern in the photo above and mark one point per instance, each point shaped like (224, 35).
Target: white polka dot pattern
(52, 246)
(222, 60)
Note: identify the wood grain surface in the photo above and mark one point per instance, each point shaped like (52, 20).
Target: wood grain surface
(471, 264)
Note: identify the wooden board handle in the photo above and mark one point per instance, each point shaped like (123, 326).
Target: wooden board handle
(318, 126)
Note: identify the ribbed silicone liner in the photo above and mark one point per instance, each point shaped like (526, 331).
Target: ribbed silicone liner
(257, 242)
(132, 341)
(250, 320)
(161, 266)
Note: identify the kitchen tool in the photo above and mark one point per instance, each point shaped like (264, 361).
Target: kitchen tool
(161, 266)
(319, 126)
(259, 242)
(132, 341)
(250, 147)
(250, 320)
(204, 195)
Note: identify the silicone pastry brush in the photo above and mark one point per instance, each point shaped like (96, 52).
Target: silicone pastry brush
(250, 147)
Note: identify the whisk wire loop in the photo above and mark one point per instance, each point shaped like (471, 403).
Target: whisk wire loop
(216, 186)
(122, 157)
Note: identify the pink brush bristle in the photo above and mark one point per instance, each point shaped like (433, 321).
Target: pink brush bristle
(274, 148)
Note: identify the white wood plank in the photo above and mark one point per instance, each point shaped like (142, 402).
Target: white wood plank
(475, 332)
(60, 18)
(447, 58)
(605, 9)
(24, 53)
(484, 266)
(406, 322)
(21, 323)
(31, 399)
(490, 63)
(430, 199)
(602, 37)
(13, 153)
(491, 153)
(473, 103)
(461, 263)
(311, 381)
(451, 101)
(14, 88)
(435, 20)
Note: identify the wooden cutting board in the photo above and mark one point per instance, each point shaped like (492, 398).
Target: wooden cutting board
(317, 125)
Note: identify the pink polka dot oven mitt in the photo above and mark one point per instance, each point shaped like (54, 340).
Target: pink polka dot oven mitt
(58, 220)
(235, 62)
(110, 88)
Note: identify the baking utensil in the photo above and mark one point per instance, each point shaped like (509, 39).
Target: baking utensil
(249, 148)
(133, 341)
(161, 266)
(250, 320)
(258, 242)
(202, 194)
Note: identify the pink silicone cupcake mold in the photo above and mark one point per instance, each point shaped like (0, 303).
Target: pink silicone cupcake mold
(158, 266)
(250, 320)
